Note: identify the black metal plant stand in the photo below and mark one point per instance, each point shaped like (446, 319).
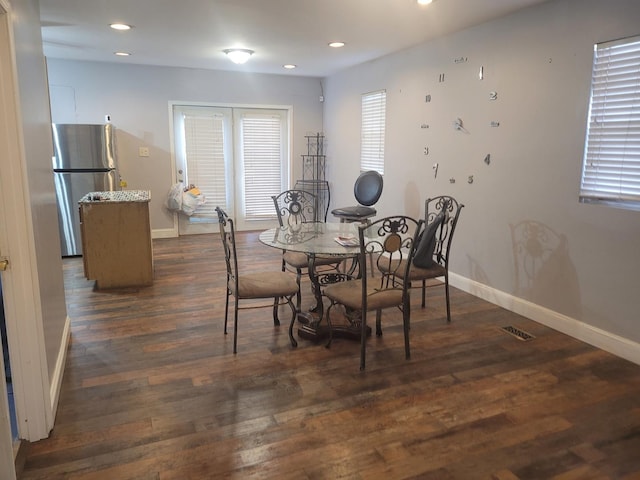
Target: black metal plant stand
(313, 175)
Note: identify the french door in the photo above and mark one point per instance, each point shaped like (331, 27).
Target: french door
(237, 157)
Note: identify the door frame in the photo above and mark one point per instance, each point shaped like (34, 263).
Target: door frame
(11, 150)
(32, 393)
(233, 106)
(241, 222)
(185, 227)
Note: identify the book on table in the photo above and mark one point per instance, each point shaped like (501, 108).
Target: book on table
(347, 241)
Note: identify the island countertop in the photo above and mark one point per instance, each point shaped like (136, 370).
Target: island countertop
(117, 196)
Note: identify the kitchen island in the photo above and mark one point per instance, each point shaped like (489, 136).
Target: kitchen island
(116, 238)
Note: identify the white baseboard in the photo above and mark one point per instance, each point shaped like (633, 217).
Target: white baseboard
(597, 337)
(164, 233)
(58, 371)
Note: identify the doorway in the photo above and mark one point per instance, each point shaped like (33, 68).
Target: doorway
(237, 157)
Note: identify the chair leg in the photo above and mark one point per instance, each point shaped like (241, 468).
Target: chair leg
(424, 292)
(235, 327)
(408, 303)
(446, 292)
(294, 312)
(298, 294)
(328, 316)
(363, 340)
(406, 317)
(276, 304)
(226, 311)
(378, 323)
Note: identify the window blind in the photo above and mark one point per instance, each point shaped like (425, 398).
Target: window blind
(374, 107)
(204, 151)
(262, 152)
(611, 164)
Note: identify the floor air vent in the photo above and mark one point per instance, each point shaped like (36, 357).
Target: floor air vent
(519, 334)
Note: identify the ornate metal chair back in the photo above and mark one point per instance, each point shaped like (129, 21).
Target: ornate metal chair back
(295, 207)
(228, 236)
(451, 208)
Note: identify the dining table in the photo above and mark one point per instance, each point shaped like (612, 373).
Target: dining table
(320, 239)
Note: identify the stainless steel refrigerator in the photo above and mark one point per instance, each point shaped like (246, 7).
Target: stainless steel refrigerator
(84, 161)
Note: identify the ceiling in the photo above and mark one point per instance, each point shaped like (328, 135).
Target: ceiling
(193, 33)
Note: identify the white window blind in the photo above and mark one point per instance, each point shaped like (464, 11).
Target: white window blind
(204, 151)
(262, 156)
(611, 164)
(374, 106)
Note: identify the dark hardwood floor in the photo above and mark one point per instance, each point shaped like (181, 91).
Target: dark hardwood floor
(152, 390)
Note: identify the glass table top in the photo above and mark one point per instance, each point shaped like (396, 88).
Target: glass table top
(316, 238)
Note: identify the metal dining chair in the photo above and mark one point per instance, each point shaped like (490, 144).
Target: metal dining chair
(254, 285)
(391, 240)
(434, 248)
(295, 207)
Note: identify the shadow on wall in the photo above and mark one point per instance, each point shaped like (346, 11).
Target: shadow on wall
(412, 204)
(137, 157)
(479, 275)
(544, 273)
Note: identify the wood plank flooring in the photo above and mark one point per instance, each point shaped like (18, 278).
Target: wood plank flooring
(152, 390)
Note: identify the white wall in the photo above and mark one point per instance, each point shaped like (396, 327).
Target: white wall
(137, 98)
(539, 63)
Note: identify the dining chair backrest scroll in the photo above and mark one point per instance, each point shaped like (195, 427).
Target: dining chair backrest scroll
(294, 207)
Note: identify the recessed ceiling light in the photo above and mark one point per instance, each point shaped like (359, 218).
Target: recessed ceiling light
(424, 2)
(336, 44)
(238, 55)
(289, 66)
(122, 54)
(120, 26)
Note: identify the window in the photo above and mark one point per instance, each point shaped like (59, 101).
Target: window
(611, 164)
(372, 137)
(262, 157)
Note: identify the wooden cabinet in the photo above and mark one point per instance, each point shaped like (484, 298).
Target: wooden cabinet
(116, 238)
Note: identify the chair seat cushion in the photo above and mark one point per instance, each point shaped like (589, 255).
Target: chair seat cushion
(265, 285)
(350, 294)
(415, 273)
(359, 211)
(301, 260)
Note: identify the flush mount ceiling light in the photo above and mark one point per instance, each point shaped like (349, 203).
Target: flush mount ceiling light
(122, 54)
(289, 66)
(336, 44)
(238, 55)
(120, 26)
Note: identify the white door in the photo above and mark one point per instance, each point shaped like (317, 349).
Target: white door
(237, 158)
(7, 157)
(204, 157)
(262, 165)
